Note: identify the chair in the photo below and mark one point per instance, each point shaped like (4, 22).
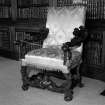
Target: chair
(61, 53)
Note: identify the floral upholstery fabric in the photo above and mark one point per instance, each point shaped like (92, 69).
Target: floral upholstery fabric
(51, 58)
(51, 52)
(61, 22)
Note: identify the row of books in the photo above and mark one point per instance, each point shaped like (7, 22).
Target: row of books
(61, 3)
(93, 48)
(5, 12)
(23, 36)
(93, 53)
(24, 2)
(95, 10)
(25, 47)
(27, 37)
(41, 2)
(96, 36)
(4, 39)
(28, 3)
(32, 12)
(0, 39)
(5, 2)
(41, 12)
(24, 42)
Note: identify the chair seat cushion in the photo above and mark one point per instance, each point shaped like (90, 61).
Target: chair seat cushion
(50, 58)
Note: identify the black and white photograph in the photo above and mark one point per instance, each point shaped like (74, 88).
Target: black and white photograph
(52, 52)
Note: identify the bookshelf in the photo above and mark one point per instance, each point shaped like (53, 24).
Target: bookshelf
(4, 38)
(94, 50)
(5, 18)
(94, 44)
(18, 19)
(31, 9)
(5, 9)
(27, 40)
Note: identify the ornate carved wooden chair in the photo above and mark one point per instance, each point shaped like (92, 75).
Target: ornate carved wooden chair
(61, 53)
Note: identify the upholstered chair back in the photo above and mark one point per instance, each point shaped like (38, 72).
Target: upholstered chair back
(61, 22)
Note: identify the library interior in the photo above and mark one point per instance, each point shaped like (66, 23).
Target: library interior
(23, 29)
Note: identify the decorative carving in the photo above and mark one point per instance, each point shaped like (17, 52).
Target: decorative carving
(73, 78)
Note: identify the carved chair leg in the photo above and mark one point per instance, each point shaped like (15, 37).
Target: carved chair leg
(68, 95)
(79, 77)
(25, 78)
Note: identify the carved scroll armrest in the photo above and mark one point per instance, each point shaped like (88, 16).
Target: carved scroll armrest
(67, 52)
(80, 35)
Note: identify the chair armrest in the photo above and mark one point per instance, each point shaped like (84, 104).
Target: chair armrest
(80, 36)
(67, 52)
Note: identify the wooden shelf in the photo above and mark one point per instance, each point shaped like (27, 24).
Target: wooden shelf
(30, 21)
(5, 5)
(94, 24)
(6, 21)
(32, 5)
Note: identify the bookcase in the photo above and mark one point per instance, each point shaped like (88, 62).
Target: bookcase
(5, 9)
(5, 18)
(94, 50)
(94, 44)
(31, 9)
(21, 21)
(4, 38)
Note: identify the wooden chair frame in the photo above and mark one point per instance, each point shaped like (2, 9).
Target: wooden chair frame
(42, 79)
